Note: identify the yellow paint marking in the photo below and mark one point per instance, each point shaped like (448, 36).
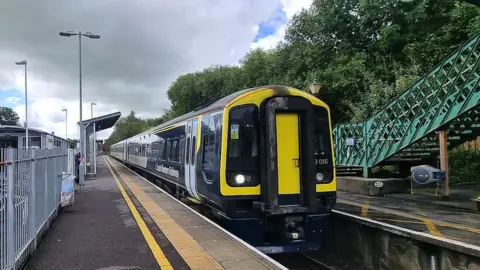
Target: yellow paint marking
(430, 225)
(400, 220)
(152, 243)
(364, 212)
(406, 215)
(193, 254)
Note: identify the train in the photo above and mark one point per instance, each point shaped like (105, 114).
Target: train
(261, 159)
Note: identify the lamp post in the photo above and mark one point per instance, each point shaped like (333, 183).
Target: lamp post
(24, 63)
(92, 36)
(94, 154)
(315, 87)
(66, 124)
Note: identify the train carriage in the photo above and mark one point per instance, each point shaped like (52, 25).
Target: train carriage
(261, 159)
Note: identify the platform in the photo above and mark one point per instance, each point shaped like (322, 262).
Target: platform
(451, 227)
(123, 221)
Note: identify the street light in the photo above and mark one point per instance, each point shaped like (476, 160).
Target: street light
(315, 87)
(92, 36)
(94, 139)
(66, 124)
(24, 63)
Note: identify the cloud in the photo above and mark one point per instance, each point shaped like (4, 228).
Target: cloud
(144, 46)
(13, 100)
(276, 26)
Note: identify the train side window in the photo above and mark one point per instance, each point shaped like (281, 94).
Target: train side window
(161, 151)
(187, 151)
(149, 151)
(181, 149)
(174, 151)
(208, 150)
(193, 149)
(168, 150)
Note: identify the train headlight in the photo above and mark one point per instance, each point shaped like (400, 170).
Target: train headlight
(324, 176)
(240, 179)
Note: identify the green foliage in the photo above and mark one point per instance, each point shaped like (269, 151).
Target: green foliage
(8, 117)
(192, 90)
(464, 165)
(73, 143)
(364, 52)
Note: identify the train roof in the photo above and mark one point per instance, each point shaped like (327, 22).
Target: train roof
(217, 104)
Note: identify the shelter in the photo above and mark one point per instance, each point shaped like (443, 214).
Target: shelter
(90, 127)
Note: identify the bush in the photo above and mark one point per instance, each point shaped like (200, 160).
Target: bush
(464, 165)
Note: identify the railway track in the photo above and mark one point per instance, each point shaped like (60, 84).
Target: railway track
(291, 261)
(300, 262)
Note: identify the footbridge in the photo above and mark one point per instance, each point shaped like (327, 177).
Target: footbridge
(444, 103)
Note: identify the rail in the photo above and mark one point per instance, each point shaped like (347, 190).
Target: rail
(30, 185)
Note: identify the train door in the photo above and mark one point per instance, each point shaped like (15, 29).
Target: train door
(190, 158)
(288, 154)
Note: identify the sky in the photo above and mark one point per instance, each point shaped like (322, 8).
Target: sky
(144, 46)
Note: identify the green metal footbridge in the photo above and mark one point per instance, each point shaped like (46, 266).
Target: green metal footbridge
(405, 132)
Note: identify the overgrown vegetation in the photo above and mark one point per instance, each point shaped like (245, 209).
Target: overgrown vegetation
(464, 165)
(364, 53)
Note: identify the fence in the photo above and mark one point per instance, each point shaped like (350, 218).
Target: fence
(30, 185)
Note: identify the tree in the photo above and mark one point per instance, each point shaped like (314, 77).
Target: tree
(8, 117)
(363, 52)
(73, 143)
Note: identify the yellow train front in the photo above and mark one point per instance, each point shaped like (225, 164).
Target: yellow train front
(261, 159)
(276, 175)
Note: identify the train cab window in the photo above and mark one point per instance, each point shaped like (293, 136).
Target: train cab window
(322, 133)
(243, 138)
(323, 145)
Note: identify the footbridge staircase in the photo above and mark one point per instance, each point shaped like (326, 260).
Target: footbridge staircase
(405, 131)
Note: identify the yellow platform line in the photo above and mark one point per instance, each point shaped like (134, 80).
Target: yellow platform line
(364, 211)
(189, 249)
(403, 214)
(152, 243)
(430, 225)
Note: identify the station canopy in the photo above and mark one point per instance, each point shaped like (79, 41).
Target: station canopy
(102, 122)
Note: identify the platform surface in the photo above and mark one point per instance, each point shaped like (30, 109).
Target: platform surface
(448, 223)
(123, 221)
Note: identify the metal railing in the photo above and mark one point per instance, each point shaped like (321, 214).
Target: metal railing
(30, 187)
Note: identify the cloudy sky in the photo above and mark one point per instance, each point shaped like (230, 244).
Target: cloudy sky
(144, 46)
